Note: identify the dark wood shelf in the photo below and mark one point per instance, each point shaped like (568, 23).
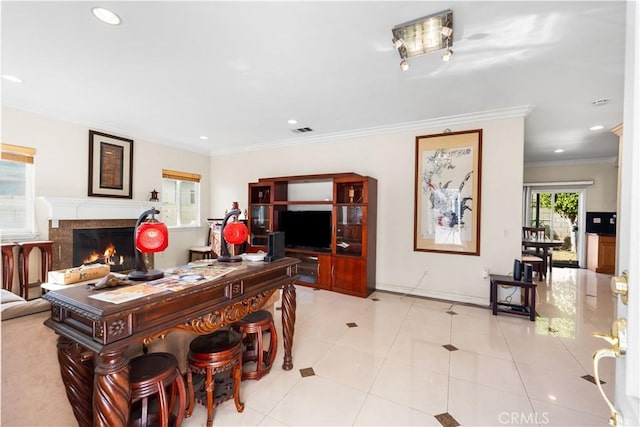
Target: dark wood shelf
(304, 202)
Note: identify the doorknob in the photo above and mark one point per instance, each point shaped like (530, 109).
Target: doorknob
(620, 286)
(618, 339)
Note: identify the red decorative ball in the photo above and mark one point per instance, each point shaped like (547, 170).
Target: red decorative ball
(235, 233)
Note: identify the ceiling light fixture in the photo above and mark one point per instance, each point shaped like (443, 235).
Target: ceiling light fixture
(404, 65)
(424, 35)
(596, 127)
(204, 137)
(106, 16)
(292, 121)
(559, 150)
(11, 78)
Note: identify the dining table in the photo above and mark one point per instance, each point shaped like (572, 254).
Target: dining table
(542, 246)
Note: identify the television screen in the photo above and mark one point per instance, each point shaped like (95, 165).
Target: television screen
(306, 229)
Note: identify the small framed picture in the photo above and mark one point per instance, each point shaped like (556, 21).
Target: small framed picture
(110, 165)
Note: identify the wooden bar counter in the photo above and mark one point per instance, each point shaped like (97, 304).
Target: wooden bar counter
(94, 335)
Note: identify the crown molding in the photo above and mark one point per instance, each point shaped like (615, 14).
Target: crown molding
(460, 119)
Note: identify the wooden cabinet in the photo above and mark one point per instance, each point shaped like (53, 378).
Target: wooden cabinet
(601, 253)
(348, 266)
(314, 269)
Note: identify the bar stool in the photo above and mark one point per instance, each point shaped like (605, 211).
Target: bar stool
(7, 265)
(150, 375)
(212, 355)
(252, 328)
(46, 255)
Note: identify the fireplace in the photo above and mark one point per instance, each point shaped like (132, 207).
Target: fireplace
(111, 245)
(60, 216)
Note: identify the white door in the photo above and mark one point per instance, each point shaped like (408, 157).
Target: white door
(625, 411)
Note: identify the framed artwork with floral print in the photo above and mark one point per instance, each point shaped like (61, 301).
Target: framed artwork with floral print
(447, 192)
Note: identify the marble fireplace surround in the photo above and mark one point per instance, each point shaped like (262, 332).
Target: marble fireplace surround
(64, 214)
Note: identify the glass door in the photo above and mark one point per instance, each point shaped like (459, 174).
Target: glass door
(561, 212)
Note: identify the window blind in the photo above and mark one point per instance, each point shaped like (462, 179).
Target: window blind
(17, 153)
(182, 176)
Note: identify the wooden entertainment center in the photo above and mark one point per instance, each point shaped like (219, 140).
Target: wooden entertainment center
(348, 264)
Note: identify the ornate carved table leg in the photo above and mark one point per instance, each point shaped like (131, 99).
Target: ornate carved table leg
(111, 392)
(288, 322)
(77, 375)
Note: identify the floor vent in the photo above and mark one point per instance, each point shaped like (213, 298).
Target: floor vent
(302, 130)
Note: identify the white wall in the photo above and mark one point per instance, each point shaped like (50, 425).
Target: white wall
(62, 167)
(600, 197)
(62, 152)
(390, 158)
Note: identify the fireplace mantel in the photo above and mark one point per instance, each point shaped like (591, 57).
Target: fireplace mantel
(59, 216)
(68, 208)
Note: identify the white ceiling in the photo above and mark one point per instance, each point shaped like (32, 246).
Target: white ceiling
(237, 71)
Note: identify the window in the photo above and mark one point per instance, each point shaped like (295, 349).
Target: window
(180, 198)
(17, 192)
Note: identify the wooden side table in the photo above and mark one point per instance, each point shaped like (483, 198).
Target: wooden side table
(7, 265)
(46, 253)
(528, 308)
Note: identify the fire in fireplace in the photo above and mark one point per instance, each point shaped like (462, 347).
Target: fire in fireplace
(111, 246)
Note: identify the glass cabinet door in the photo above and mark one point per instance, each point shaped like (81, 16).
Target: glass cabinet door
(260, 225)
(349, 221)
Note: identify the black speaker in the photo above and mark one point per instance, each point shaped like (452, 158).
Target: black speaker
(275, 246)
(528, 273)
(517, 269)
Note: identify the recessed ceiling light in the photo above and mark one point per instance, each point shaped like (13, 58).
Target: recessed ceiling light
(106, 16)
(596, 127)
(204, 137)
(11, 78)
(559, 150)
(292, 121)
(404, 65)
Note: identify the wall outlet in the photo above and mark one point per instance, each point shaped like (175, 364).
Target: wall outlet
(485, 273)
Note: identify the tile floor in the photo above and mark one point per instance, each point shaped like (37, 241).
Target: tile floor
(414, 361)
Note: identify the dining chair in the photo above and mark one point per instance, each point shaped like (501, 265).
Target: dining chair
(203, 252)
(536, 233)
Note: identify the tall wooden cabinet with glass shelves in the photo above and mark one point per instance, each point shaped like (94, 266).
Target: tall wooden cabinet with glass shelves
(349, 266)
(354, 246)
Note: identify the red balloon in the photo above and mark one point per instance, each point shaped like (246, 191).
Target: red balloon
(235, 232)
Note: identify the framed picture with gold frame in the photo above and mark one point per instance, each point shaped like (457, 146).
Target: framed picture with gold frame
(110, 165)
(447, 192)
